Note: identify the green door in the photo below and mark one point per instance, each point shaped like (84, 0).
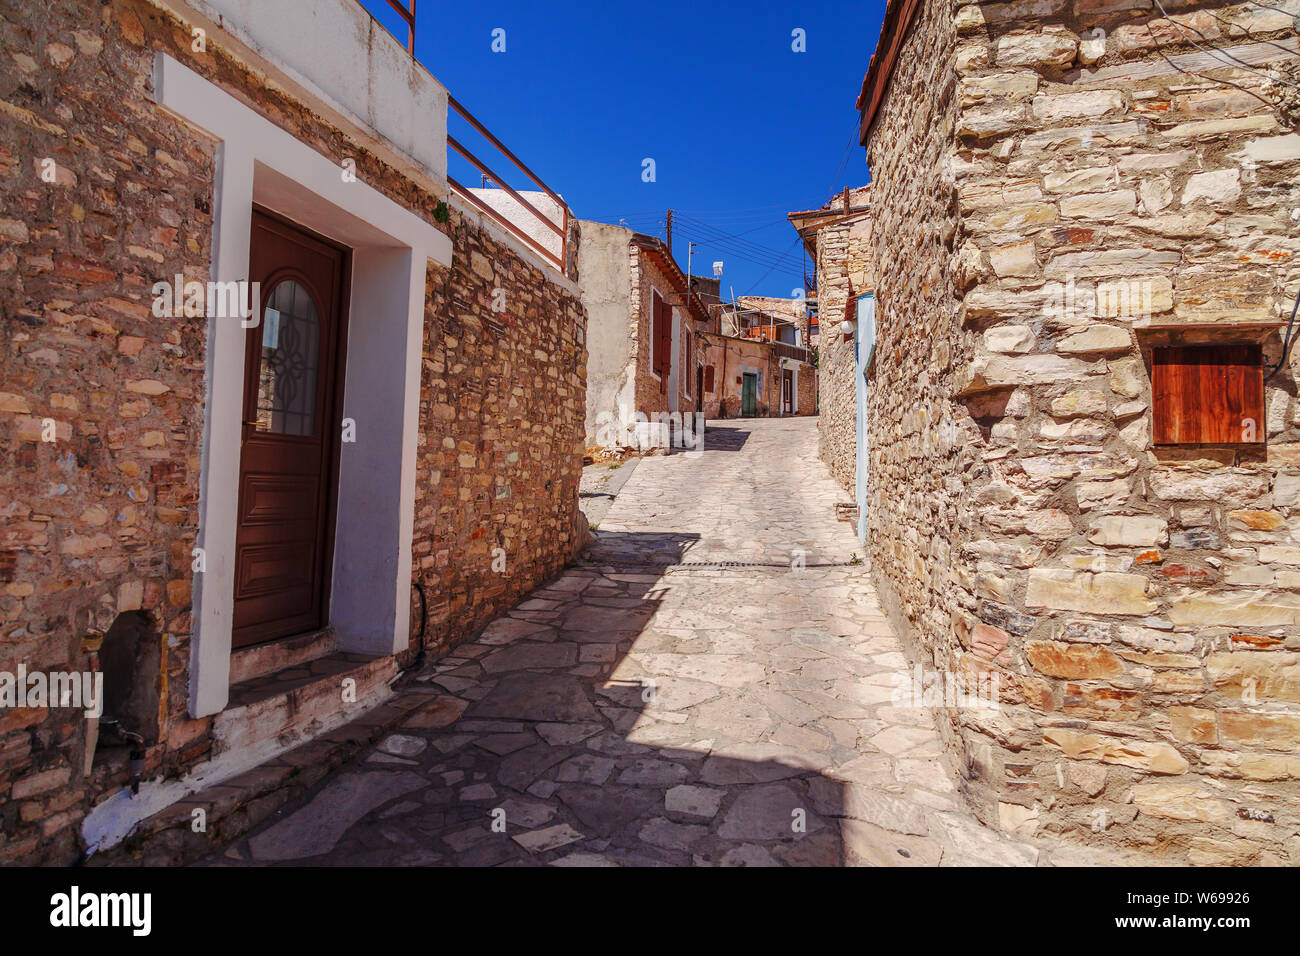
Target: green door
(749, 395)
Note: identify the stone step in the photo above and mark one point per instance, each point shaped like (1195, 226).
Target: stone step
(260, 660)
(273, 712)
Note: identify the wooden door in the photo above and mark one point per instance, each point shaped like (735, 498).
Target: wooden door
(749, 395)
(787, 391)
(292, 393)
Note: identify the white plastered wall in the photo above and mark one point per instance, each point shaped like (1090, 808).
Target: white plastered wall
(259, 162)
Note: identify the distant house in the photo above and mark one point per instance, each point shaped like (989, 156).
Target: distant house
(643, 363)
(753, 364)
(752, 377)
(785, 319)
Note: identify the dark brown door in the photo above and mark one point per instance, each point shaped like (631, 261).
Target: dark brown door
(292, 387)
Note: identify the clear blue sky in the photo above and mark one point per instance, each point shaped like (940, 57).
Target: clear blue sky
(742, 129)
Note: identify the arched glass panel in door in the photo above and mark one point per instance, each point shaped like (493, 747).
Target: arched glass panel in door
(286, 385)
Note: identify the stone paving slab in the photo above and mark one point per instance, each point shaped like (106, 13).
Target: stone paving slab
(628, 714)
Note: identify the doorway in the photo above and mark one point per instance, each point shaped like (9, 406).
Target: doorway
(293, 384)
(749, 395)
(787, 391)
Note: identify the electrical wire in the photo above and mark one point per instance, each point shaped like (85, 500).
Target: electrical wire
(1286, 341)
(742, 244)
(706, 238)
(774, 262)
(731, 254)
(1245, 34)
(768, 224)
(1211, 51)
(1273, 8)
(767, 273)
(853, 137)
(1214, 79)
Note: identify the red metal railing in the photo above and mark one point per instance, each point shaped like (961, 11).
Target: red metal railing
(561, 228)
(407, 13)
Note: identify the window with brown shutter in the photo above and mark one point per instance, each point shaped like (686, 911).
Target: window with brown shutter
(708, 378)
(661, 335)
(1207, 395)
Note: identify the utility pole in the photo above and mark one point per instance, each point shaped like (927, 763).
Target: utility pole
(670, 231)
(690, 247)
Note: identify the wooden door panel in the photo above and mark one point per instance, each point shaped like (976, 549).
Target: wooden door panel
(265, 570)
(292, 391)
(273, 499)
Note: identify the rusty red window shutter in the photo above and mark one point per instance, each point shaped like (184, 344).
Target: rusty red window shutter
(1207, 395)
(657, 353)
(708, 378)
(666, 338)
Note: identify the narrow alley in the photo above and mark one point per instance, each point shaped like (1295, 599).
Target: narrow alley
(686, 694)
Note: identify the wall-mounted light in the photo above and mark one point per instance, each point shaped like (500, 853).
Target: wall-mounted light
(847, 326)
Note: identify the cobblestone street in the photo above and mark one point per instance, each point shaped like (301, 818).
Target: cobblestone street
(652, 707)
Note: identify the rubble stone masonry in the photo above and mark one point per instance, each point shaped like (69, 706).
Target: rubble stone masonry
(1139, 605)
(843, 272)
(101, 521)
(647, 279)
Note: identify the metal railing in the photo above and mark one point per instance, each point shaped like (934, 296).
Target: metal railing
(796, 352)
(407, 13)
(561, 229)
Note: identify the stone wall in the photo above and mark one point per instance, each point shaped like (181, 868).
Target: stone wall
(844, 269)
(806, 387)
(651, 393)
(1139, 605)
(101, 520)
(503, 398)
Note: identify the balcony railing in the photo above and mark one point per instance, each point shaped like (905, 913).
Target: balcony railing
(554, 252)
(796, 352)
(407, 13)
(561, 228)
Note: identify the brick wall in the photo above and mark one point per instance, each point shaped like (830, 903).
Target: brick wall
(1139, 604)
(102, 520)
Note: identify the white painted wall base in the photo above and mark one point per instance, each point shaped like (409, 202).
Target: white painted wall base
(113, 820)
